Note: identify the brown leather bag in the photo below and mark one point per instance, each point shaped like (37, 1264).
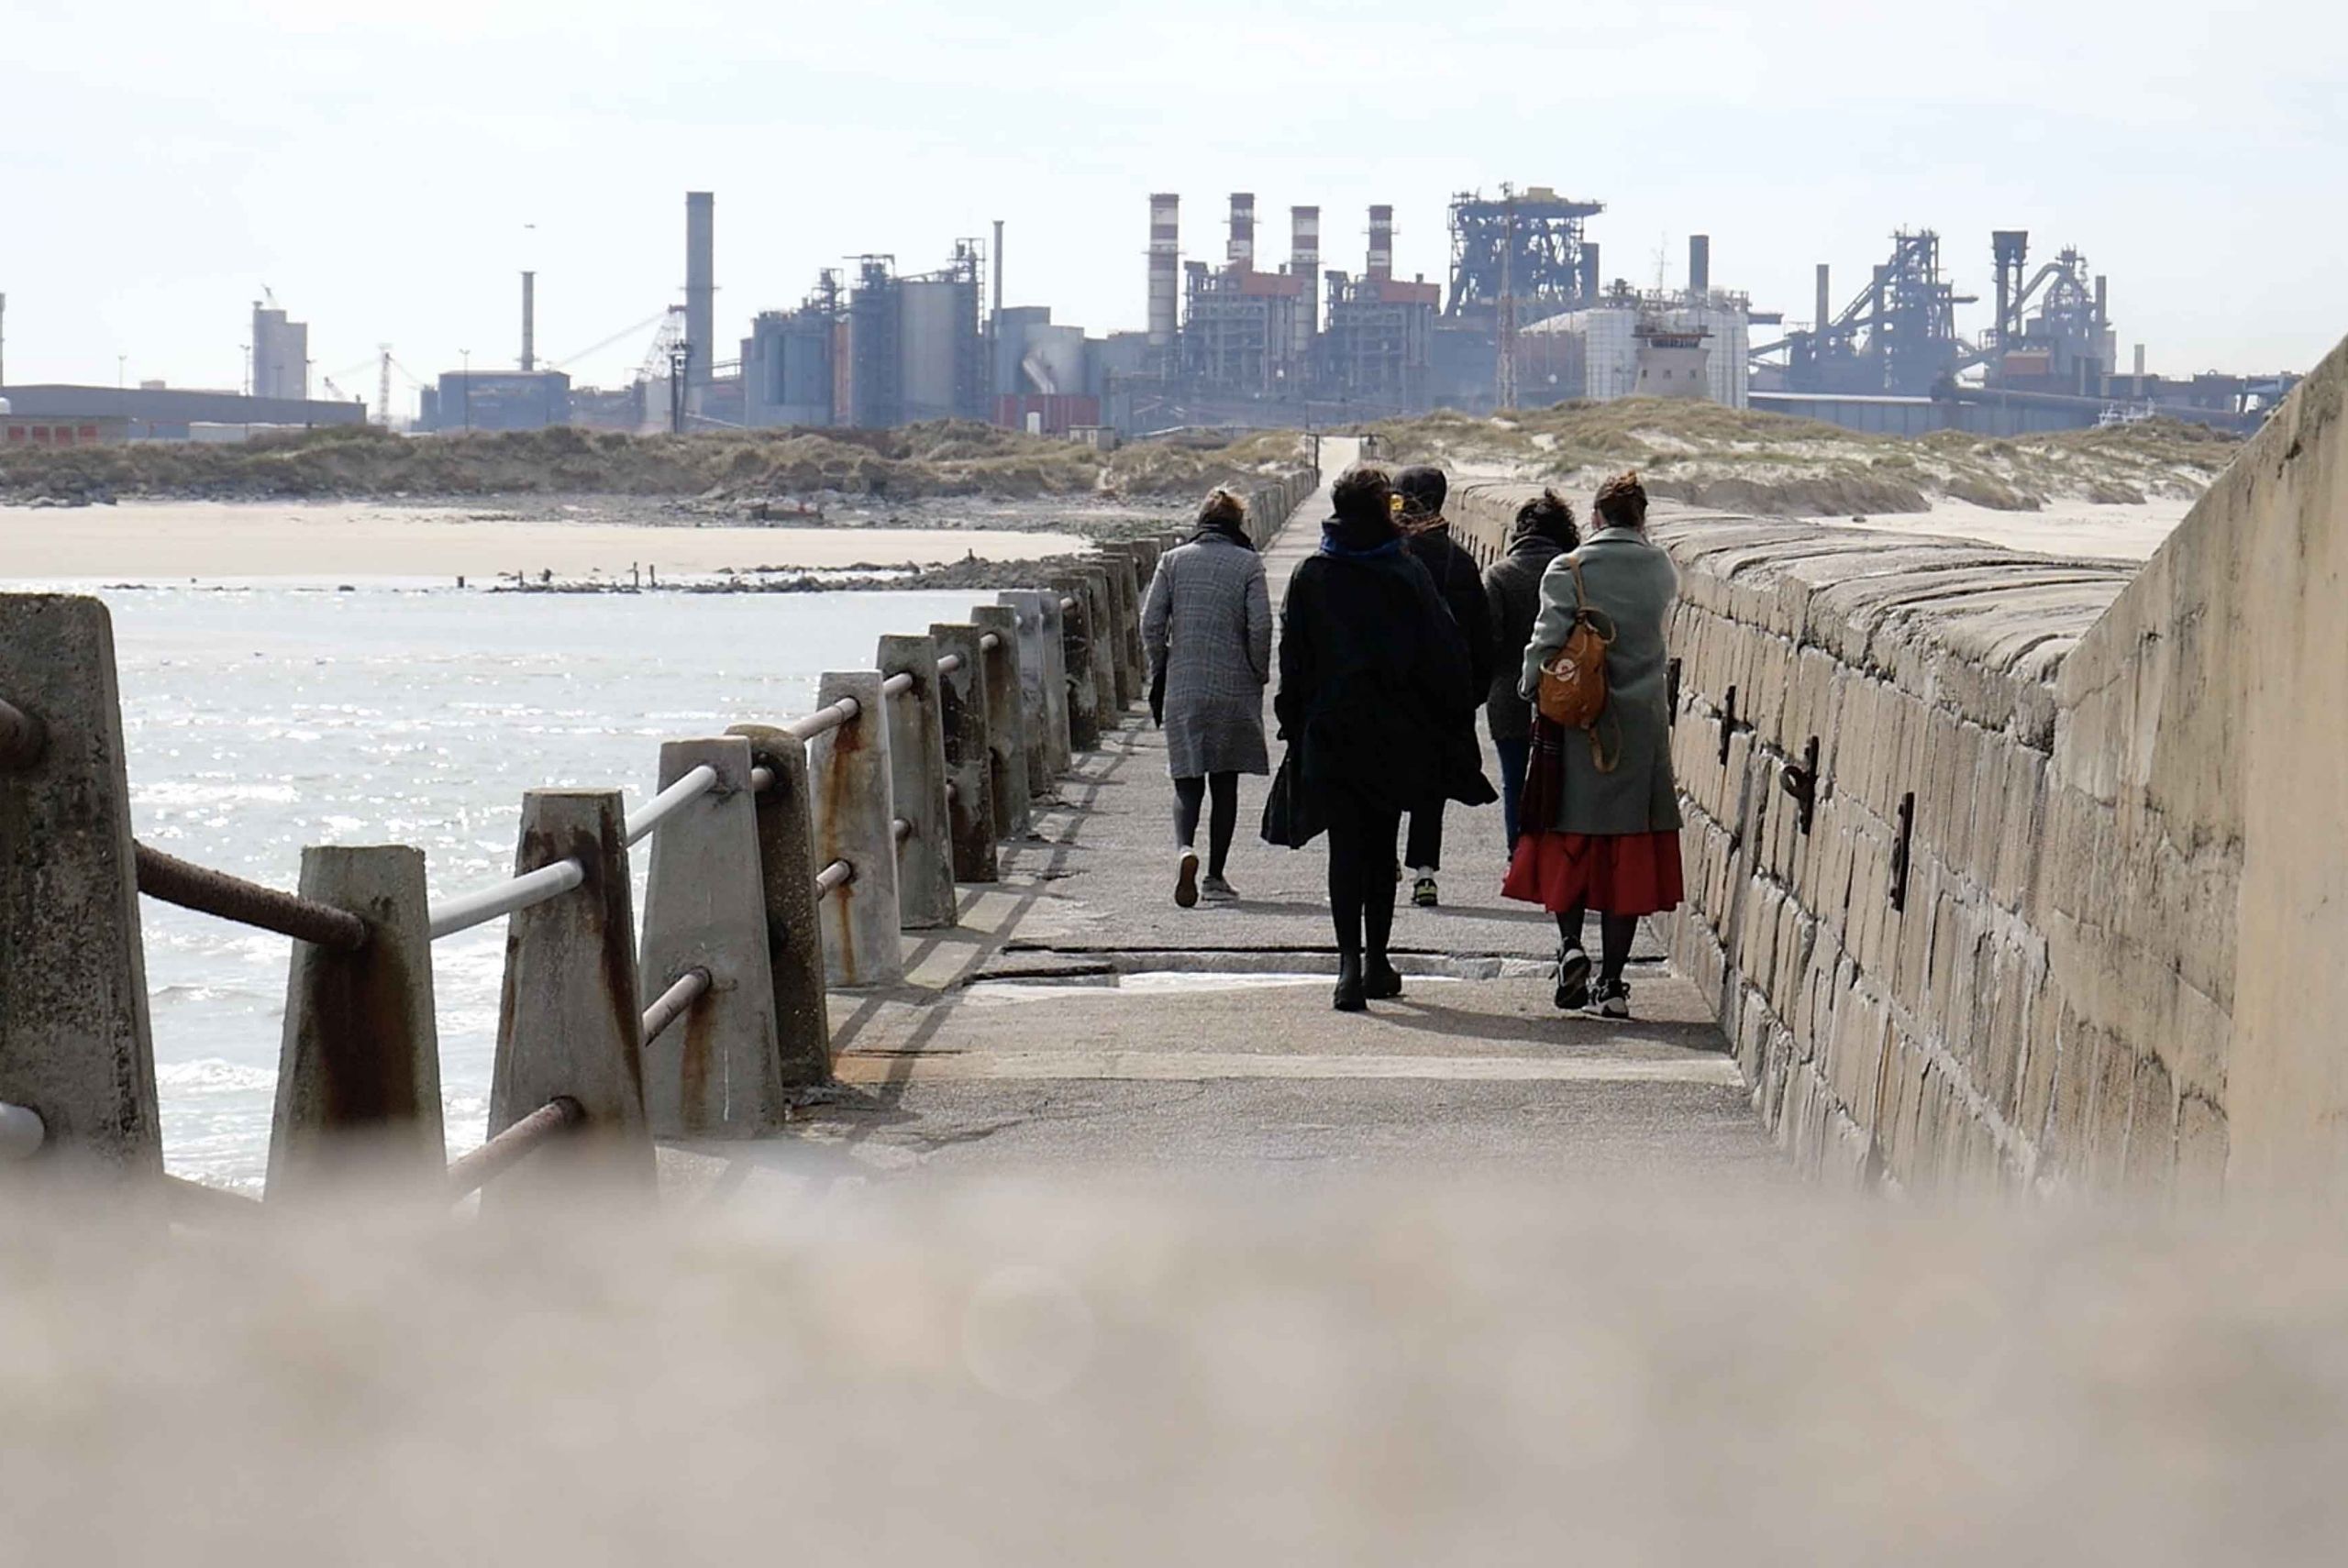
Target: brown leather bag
(1573, 679)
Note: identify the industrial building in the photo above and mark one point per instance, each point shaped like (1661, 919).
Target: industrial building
(80, 416)
(281, 354)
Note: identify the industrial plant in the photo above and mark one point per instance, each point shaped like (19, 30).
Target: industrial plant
(1526, 317)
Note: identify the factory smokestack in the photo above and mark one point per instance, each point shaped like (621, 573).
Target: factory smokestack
(1700, 264)
(701, 285)
(1592, 279)
(1165, 268)
(998, 266)
(1825, 301)
(1242, 253)
(529, 320)
(1381, 244)
(1304, 261)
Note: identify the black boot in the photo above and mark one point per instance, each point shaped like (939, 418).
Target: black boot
(1380, 981)
(1350, 996)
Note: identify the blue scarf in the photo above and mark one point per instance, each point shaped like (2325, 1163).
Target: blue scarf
(1330, 546)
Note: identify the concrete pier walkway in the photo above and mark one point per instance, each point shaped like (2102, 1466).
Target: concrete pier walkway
(1077, 1017)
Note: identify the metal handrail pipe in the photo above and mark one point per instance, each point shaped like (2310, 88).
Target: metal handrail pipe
(22, 1132)
(901, 829)
(470, 1173)
(691, 787)
(824, 720)
(990, 642)
(898, 684)
(761, 781)
(675, 1002)
(1067, 604)
(22, 738)
(839, 874)
(469, 910)
(207, 891)
(949, 663)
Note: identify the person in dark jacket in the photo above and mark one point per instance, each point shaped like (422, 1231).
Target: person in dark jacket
(1427, 535)
(1545, 530)
(1372, 665)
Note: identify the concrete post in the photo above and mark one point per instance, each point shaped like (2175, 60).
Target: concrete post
(359, 1064)
(1103, 651)
(718, 1071)
(1132, 582)
(1026, 608)
(1125, 612)
(569, 1020)
(1084, 687)
(786, 815)
(968, 719)
(1008, 724)
(74, 1044)
(854, 805)
(926, 896)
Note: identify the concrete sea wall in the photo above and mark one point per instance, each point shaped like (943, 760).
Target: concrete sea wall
(2067, 910)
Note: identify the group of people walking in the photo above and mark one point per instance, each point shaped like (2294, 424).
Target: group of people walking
(1390, 640)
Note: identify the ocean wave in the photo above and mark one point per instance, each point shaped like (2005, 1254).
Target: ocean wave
(214, 1074)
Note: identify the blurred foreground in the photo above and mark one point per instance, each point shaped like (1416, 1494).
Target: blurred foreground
(1307, 1372)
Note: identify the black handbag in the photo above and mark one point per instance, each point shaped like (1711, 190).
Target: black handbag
(1289, 817)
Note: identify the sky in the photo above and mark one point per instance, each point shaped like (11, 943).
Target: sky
(387, 171)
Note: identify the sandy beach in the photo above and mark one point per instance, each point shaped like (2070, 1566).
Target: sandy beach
(150, 540)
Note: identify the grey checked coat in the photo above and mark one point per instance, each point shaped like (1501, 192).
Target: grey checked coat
(1208, 624)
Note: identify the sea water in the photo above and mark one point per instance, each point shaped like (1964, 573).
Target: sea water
(264, 717)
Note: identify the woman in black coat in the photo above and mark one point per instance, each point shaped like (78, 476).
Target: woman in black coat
(1372, 670)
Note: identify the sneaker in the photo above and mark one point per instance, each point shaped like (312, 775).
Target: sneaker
(1215, 891)
(1422, 893)
(1573, 979)
(1609, 998)
(1380, 981)
(1186, 881)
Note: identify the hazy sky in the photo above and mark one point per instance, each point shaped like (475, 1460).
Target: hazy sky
(377, 166)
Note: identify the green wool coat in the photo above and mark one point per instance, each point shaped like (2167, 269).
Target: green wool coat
(1633, 581)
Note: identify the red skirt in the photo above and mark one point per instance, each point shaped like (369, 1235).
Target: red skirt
(1618, 874)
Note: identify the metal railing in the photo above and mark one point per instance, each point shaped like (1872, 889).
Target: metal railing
(789, 859)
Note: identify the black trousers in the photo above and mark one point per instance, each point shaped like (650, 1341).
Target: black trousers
(1426, 848)
(1361, 874)
(1190, 795)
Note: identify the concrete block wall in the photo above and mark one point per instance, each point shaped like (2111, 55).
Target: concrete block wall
(1913, 1044)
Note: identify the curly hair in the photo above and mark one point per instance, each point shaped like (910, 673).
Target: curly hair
(1622, 501)
(1547, 517)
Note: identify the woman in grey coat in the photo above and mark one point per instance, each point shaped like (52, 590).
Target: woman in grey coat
(1600, 809)
(1208, 630)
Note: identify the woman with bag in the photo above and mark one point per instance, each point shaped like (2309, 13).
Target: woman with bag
(1372, 667)
(1207, 629)
(1544, 531)
(1600, 812)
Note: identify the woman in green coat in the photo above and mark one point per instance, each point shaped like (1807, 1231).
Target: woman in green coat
(1602, 811)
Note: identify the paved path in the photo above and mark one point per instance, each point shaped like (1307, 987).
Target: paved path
(1078, 1019)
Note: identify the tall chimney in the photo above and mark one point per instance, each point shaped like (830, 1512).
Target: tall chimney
(1381, 244)
(1165, 268)
(1825, 301)
(2140, 363)
(1700, 264)
(2102, 302)
(529, 320)
(1592, 279)
(998, 266)
(701, 284)
(1242, 253)
(1304, 261)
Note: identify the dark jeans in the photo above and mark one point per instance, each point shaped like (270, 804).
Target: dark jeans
(1189, 794)
(1514, 754)
(1361, 874)
(1426, 849)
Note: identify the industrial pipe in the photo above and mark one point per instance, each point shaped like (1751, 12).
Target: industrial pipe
(206, 891)
(22, 739)
(467, 910)
(470, 1173)
(824, 720)
(898, 684)
(675, 1002)
(665, 804)
(839, 874)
